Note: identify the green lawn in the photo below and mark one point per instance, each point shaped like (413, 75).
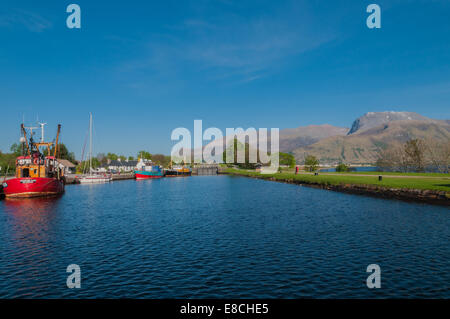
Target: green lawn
(393, 174)
(441, 184)
(292, 170)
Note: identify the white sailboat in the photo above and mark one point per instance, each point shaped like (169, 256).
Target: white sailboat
(93, 178)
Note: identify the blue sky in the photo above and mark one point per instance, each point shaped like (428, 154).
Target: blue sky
(146, 67)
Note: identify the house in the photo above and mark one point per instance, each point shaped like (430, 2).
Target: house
(66, 166)
(119, 166)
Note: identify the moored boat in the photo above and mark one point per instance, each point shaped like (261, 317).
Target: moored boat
(146, 170)
(92, 178)
(37, 175)
(177, 171)
(148, 174)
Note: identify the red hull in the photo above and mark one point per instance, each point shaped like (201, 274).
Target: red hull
(141, 176)
(33, 187)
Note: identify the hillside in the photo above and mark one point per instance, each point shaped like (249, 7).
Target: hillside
(363, 145)
(369, 134)
(291, 139)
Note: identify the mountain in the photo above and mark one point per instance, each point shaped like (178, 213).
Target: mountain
(374, 119)
(291, 139)
(374, 132)
(294, 138)
(369, 134)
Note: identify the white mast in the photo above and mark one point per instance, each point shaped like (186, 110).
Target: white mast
(42, 131)
(90, 143)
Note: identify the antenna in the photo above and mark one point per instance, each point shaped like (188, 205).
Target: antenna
(31, 129)
(42, 131)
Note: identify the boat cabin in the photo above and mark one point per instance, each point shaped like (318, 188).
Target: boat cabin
(37, 166)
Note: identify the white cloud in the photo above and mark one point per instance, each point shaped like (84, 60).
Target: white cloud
(31, 21)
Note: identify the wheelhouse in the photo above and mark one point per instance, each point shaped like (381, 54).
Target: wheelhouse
(37, 166)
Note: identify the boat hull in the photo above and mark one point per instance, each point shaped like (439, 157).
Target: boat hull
(147, 175)
(32, 187)
(94, 179)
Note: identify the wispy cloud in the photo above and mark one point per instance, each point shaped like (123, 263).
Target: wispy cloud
(232, 45)
(30, 20)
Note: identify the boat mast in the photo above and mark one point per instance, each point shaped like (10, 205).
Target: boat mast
(57, 140)
(24, 132)
(32, 146)
(90, 143)
(42, 137)
(42, 131)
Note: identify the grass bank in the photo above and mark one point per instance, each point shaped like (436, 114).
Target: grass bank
(423, 188)
(292, 171)
(394, 174)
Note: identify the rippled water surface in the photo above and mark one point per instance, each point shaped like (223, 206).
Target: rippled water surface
(221, 236)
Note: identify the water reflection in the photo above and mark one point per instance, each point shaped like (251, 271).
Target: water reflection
(29, 230)
(31, 219)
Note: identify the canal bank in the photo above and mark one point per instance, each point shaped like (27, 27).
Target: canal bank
(421, 189)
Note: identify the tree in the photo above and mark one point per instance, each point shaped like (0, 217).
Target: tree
(63, 153)
(342, 168)
(101, 157)
(392, 159)
(385, 160)
(409, 157)
(83, 167)
(112, 156)
(239, 147)
(130, 158)
(122, 158)
(7, 160)
(160, 159)
(144, 155)
(311, 163)
(16, 149)
(287, 159)
(414, 151)
(439, 155)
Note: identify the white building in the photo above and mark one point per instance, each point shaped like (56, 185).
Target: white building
(119, 166)
(66, 166)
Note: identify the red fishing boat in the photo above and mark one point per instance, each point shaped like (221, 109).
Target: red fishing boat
(36, 174)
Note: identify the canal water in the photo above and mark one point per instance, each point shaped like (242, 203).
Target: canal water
(221, 236)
